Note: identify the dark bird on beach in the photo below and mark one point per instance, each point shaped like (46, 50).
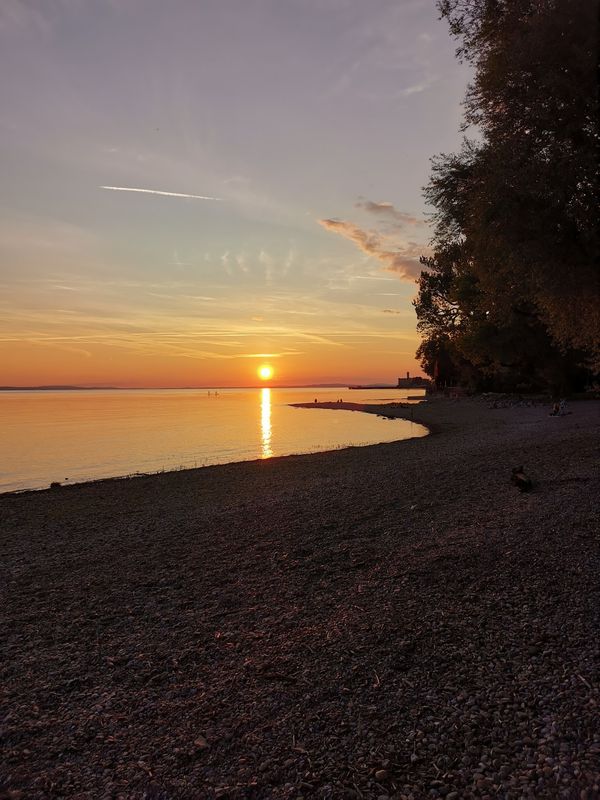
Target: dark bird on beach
(521, 480)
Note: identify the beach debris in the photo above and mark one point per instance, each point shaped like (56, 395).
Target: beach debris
(559, 409)
(521, 480)
(200, 743)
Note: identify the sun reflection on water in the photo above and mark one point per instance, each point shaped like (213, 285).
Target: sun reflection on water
(265, 422)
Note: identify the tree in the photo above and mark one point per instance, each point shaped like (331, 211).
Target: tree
(466, 340)
(520, 203)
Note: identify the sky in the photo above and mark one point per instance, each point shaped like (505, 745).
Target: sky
(283, 145)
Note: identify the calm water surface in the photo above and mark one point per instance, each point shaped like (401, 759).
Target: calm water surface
(82, 435)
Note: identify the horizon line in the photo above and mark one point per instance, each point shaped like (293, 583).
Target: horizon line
(266, 385)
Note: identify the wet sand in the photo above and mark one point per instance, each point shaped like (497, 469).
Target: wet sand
(389, 621)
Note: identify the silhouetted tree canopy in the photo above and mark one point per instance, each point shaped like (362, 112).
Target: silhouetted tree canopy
(513, 286)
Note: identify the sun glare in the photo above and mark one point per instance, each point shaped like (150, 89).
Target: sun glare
(265, 372)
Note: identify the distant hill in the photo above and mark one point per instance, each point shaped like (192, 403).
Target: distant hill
(53, 388)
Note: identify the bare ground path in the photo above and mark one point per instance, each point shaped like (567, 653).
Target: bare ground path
(389, 621)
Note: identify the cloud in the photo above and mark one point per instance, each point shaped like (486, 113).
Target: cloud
(65, 348)
(404, 261)
(369, 278)
(23, 232)
(421, 86)
(164, 194)
(388, 210)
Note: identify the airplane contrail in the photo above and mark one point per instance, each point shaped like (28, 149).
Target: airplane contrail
(156, 191)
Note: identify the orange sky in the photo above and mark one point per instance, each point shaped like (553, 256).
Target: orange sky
(177, 221)
(341, 314)
(82, 363)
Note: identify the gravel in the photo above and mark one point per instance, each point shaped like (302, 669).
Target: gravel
(393, 621)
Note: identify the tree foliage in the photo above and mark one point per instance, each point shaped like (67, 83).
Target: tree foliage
(514, 276)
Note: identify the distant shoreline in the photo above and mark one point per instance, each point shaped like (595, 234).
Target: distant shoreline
(410, 412)
(185, 388)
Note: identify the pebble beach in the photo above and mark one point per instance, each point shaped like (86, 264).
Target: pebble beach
(391, 621)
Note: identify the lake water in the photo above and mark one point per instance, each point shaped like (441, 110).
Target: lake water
(72, 436)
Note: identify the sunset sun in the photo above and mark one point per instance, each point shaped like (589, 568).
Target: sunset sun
(265, 372)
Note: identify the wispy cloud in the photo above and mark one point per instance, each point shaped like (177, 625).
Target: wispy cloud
(181, 297)
(369, 278)
(65, 348)
(404, 261)
(43, 234)
(388, 210)
(163, 194)
(421, 86)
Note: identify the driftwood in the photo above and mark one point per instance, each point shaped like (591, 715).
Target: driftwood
(521, 480)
